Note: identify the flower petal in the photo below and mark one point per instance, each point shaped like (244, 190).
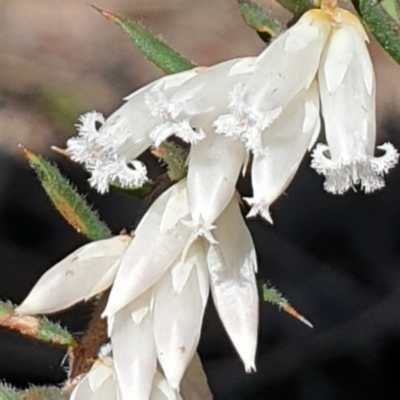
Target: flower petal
(178, 316)
(285, 142)
(76, 277)
(133, 349)
(213, 170)
(231, 264)
(151, 252)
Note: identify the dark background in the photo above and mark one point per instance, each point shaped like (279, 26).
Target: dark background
(337, 258)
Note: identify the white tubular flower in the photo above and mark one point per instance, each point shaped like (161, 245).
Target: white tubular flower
(232, 264)
(192, 104)
(286, 67)
(284, 144)
(213, 169)
(134, 352)
(347, 89)
(99, 383)
(159, 239)
(81, 275)
(108, 148)
(180, 298)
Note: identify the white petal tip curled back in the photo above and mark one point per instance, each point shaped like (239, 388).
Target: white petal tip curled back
(366, 171)
(258, 208)
(100, 152)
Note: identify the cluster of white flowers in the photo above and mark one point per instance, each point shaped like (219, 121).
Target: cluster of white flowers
(264, 110)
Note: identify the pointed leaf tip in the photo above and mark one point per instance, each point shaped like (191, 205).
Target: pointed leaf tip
(273, 296)
(65, 199)
(154, 49)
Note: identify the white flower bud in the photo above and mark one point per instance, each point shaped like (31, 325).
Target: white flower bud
(159, 239)
(284, 144)
(180, 298)
(232, 264)
(83, 274)
(133, 348)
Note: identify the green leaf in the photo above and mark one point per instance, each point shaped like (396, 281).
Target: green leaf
(43, 393)
(175, 157)
(39, 328)
(297, 7)
(259, 19)
(154, 49)
(8, 393)
(271, 295)
(66, 200)
(391, 7)
(385, 29)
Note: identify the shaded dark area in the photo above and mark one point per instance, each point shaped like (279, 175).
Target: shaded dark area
(337, 258)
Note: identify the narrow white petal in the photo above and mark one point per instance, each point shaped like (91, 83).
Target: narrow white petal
(231, 264)
(133, 350)
(178, 316)
(151, 252)
(285, 143)
(289, 64)
(194, 384)
(213, 170)
(75, 278)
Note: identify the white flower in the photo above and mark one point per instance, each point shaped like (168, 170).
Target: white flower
(108, 148)
(232, 265)
(159, 239)
(286, 67)
(347, 90)
(83, 274)
(163, 324)
(162, 284)
(284, 144)
(101, 383)
(214, 162)
(198, 101)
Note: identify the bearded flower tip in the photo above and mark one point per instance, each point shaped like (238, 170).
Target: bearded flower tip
(258, 208)
(249, 368)
(387, 161)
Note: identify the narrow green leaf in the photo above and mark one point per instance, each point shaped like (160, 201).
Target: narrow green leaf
(66, 200)
(297, 7)
(39, 328)
(259, 19)
(385, 29)
(154, 49)
(271, 295)
(43, 393)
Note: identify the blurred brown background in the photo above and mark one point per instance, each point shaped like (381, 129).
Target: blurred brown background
(59, 58)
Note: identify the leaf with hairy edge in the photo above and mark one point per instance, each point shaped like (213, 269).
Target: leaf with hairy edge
(259, 19)
(66, 200)
(39, 328)
(154, 49)
(271, 295)
(385, 29)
